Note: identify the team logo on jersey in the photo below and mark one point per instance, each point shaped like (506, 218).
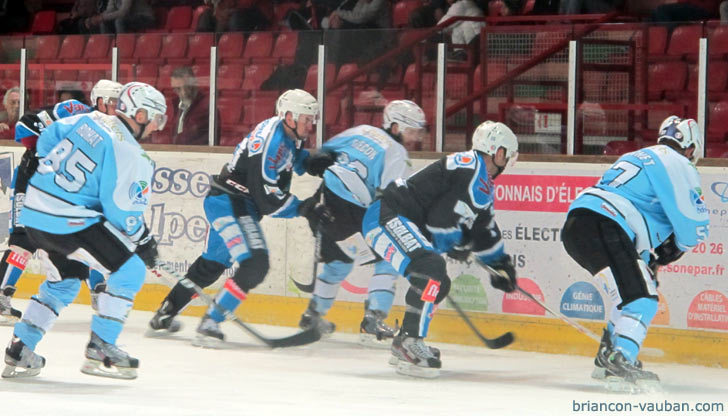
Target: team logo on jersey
(464, 159)
(389, 253)
(698, 199)
(256, 144)
(139, 192)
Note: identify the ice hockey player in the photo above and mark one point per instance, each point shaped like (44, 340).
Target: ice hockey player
(84, 208)
(648, 200)
(103, 95)
(254, 183)
(367, 160)
(446, 207)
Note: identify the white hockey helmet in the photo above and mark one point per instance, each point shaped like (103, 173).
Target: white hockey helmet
(105, 89)
(684, 132)
(405, 113)
(490, 136)
(137, 96)
(298, 102)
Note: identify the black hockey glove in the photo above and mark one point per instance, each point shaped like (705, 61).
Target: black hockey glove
(668, 252)
(317, 214)
(316, 164)
(28, 163)
(459, 253)
(147, 249)
(505, 277)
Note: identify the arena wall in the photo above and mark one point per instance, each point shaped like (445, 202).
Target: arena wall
(531, 202)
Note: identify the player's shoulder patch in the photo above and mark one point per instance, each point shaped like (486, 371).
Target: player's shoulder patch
(467, 160)
(262, 132)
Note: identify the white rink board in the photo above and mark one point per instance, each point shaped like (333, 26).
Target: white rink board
(535, 194)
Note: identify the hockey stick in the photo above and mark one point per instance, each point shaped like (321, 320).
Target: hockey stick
(301, 338)
(494, 343)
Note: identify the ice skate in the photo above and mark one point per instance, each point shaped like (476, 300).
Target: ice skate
(605, 349)
(8, 314)
(209, 334)
(163, 322)
(415, 358)
(20, 361)
(311, 319)
(108, 360)
(373, 332)
(625, 377)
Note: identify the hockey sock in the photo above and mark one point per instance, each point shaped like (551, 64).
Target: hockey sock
(228, 299)
(12, 265)
(43, 310)
(420, 309)
(115, 302)
(630, 329)
(327, 284)
(381, 288)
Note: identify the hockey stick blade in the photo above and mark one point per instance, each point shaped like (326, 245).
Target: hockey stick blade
(494, 343)
(301, 338)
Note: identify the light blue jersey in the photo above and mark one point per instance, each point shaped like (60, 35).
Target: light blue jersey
(368, 159)
(91, 167)
(651, 193)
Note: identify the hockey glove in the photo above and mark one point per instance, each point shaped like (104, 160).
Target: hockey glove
(147, 249)
(668, 252)
(458, 253)
(317, 214)
(28, 163)
(505, 277)
(316, 164)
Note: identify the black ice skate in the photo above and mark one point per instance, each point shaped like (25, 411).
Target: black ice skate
(311, 319)
(20, 361)
(600, 361)
(414, 357)
(108, 360)
(623, 376)
(374, 332)
(209, 334)
(8, 314)
(163, 322)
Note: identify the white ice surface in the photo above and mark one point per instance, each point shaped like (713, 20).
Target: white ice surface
(333, 377)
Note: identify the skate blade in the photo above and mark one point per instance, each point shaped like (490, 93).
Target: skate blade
(599, 373)
(620, 385)
(97, 368)
(393, 360)
(408, 369)
(12, 371)
(160, 333)
(371, 341)
(204, 341)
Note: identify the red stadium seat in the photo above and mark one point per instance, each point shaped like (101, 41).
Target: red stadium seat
(285, 47)
(199, 10)
(47, 48)
(716, 150)
(92, 75)
(231, 110)
(72, 48)
(312, 77)
(718, 121)
(147, 46)
(174, 49)
(718, 41)
(257, 109)
(717, 79)
(230, 76)
(125, 43)
(179, 19)
(65, 75)
(146, 73)
(165, 73)
(665, 76)
(230, 47)
(658, 40)
(348, 69)
(255, 74)
(259, 45)
(684, 41)
(44, 22)
(97, 49)
(402, 11)
(281, 10)
(199, 46)
(620, 147)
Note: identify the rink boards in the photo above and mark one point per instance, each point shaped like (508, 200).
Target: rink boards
(531, 203)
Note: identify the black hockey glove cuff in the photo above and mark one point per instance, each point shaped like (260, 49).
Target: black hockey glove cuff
(504, 277)
(317, 214)
(147, 249)
(668, 252)
(317, 164)
(459, 253)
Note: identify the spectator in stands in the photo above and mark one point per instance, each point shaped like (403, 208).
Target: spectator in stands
(227, 16)
(589, 6)
(122, 16)
(10, 116)
(463, 32)
(190, 121)
(428, 14)
(366, 14)
(82, 10)
(68, 94)
(16, 16)
(724, 12)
